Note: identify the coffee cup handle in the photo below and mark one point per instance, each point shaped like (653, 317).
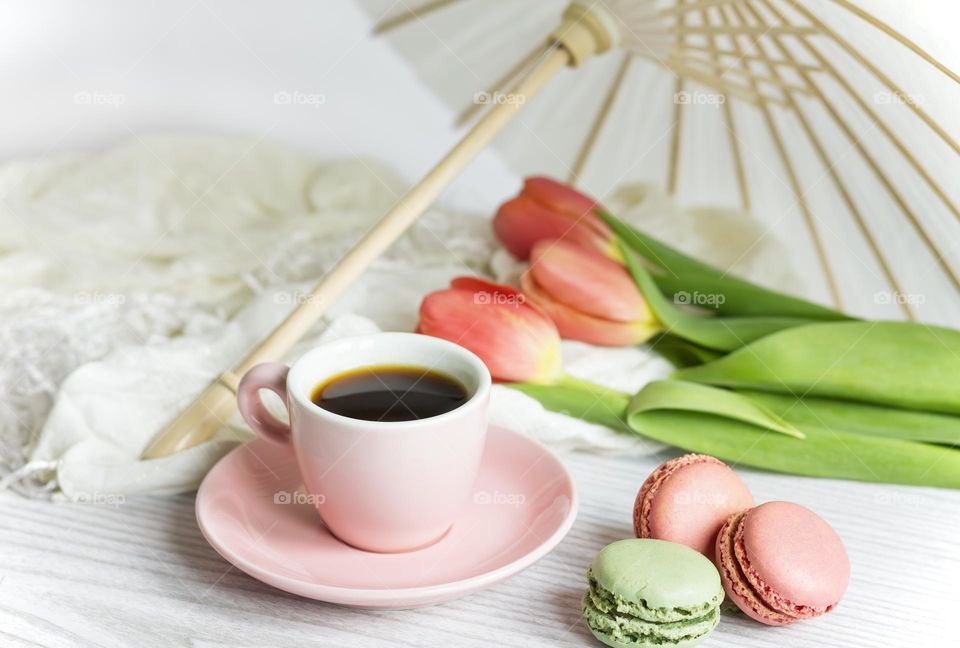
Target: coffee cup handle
(272, 376)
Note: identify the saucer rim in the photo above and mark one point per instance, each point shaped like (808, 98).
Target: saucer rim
(403, 596)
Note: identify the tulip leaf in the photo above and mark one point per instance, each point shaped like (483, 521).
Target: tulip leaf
(893, 364)
(680, 352)
(720, 333)
(861, 418)
(677, 274)
(677, 395)
(823, 453)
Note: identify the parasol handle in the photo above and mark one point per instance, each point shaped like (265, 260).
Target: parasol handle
(211, 409)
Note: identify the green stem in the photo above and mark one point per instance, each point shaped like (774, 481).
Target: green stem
(607, 393)
(581, 399)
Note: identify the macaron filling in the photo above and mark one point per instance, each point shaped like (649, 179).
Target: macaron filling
(614, 618)
(606, 601)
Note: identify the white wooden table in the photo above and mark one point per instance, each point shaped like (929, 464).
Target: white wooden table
(139, 574)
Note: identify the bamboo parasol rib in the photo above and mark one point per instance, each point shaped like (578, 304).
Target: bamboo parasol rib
(715, 67)
(673, 168)
(897, 36)
(714, 51)
(419, 14)
(600, 120)
(750, 92)
(877, 72)
(871, 160)
(795, 186)
(732, 138)
(825, 161)
(875, 119)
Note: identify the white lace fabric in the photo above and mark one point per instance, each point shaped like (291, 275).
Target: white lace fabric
(130, 278)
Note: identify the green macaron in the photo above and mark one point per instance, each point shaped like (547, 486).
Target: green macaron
(651, 593)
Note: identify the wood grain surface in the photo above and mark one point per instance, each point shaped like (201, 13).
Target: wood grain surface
(137, 572)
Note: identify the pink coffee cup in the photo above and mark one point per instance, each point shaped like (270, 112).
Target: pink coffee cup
(383, 486)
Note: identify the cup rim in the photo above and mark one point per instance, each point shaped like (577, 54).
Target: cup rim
(477, 399)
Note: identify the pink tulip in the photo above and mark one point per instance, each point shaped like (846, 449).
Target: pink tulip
(558, 196)
(515, 338)
(589, 298)
(547, 209)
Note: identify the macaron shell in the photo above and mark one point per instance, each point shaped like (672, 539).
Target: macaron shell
(735, 583)
(687, 500)
(794, 557)
(668, 578)
(613, 643)
(653, 482)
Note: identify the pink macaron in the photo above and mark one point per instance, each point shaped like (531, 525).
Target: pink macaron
(687, 500)
(780, 562)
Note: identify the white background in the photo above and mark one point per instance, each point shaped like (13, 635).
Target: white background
(215, 66)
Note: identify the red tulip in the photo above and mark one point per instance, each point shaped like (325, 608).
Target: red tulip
(589, 298)
(515, 338)
(547, 209)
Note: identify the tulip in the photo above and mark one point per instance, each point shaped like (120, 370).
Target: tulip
(547, 209)
(589, 298)
(514, 338)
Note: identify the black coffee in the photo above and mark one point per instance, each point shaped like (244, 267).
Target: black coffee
(390, 393)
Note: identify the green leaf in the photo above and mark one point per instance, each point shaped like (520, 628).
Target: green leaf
(676, 273)
(720, 333)
(676, 395)
(822, 453)
(680, 352)
(897, 364)
(871, 420)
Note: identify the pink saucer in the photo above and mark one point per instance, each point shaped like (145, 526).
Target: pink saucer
(251, 508)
